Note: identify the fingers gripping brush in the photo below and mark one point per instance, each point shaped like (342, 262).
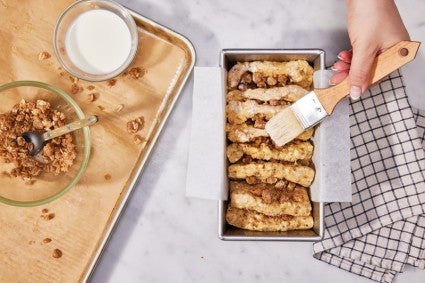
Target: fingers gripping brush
(320, 103)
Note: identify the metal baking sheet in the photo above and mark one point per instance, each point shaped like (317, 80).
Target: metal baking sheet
(227, 232)
(182, 74)
(85, 217)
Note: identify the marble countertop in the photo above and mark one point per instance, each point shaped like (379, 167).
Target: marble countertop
(164, 236)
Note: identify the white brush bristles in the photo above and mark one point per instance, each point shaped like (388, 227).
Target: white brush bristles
(284, 127)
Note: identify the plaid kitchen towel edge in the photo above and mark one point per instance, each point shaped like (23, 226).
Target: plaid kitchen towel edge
(388, 97)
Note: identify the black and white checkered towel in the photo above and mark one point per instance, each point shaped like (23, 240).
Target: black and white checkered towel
(383, 229)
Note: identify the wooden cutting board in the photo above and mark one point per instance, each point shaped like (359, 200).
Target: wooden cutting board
(84, 217)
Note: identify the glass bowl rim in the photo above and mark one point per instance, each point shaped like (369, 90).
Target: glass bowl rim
(134, 38)
(87, 142)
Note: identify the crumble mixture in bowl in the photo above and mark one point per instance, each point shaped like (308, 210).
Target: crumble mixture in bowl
(57, 155)
(35, 180)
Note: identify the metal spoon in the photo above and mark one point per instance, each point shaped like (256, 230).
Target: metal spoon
(38, 139)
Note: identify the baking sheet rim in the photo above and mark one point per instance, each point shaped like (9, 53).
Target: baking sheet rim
(89, 271)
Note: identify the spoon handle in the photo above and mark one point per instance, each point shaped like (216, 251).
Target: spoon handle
(90, 120)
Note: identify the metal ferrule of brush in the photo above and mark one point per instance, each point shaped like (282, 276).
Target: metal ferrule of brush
(308, 110)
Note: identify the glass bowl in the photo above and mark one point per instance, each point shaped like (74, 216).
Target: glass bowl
(47, 186)
(95, 40)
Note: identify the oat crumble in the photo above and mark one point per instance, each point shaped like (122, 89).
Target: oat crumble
(58, 154)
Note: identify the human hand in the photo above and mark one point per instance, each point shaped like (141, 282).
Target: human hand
(373, 26)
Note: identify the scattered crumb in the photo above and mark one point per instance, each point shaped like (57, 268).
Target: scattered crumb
(101, 108)
(112, 82)
(75, 88)
(49, 216)
(47, 240)
(118, 108)
(73, 79)
(138, 139)
(57, 253)
(31, 242)
(136, 73)
(135, 125)
(107, 177)
(44, 55)
(93, 96)
(141, 121)
(90, 87)
(44, 210)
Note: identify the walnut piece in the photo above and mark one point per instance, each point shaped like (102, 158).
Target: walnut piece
(57, 253)
(135, 125)
(136, 73)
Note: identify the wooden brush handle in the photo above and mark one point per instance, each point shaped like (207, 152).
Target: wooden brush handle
(384, 64)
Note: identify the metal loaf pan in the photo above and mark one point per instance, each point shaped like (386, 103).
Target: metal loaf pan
(228, 58)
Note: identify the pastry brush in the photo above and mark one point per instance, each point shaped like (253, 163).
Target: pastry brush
(315, 106)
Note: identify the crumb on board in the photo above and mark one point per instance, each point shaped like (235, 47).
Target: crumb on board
(138, 139)
(112, 82)
(93, 96)
(45, 210)
(90, 87)
(47, 240)
(135, 73)
(43, 55)
(73, 79)
(107, 177)
(118, 108)
(101, 108)
(133, 126)
(57, 253)
(49, 216)
(75, 88)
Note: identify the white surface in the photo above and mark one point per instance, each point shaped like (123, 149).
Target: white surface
(98, 42)
(164, 236)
